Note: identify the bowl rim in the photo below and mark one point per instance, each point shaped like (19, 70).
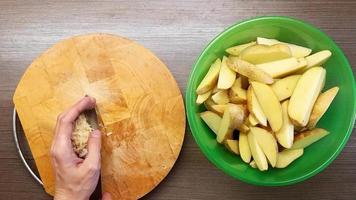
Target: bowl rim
(229, 171)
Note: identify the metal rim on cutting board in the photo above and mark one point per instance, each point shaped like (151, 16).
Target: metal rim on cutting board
(19, 150)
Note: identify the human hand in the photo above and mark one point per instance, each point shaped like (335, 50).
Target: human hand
(76, 178)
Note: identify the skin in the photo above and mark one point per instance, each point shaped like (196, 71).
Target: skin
(76, 178)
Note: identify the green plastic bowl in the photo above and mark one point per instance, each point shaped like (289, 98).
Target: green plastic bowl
(339, 119)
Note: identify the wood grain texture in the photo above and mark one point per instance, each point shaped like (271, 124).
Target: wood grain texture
(137, 100)
(176, 31)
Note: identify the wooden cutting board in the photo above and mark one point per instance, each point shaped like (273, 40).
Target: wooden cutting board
(137, 98)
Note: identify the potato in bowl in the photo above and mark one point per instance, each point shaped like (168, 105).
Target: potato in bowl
(338, 120)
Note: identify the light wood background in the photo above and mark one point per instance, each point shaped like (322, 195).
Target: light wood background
(176, 31)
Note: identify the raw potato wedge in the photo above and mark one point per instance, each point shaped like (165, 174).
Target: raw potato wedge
(260, 53)
(238, 114)
(243, 128)
(283, 88)
(252, 119)
(267, 142)
(305, 94)
(281, 68)
(232, 146)
(210, 79)
(203, 97)
(211, 119)
(317, 59)
(297, 51)
(270, 104)
(221, 97)
(218, 109)
(304, 139)
(215, 90)
(253, 164)
(285, 135)
(208, 103)
(257, 153)
(236, 50)
(234, 116)
(236, 93)
(226, 75)
(225, 129)
(255, 108)
(249, 70)
(321, 105)
(244, 148)
(287, 156)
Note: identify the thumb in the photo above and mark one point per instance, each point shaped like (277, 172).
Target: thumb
(94, 146)
(106, 196)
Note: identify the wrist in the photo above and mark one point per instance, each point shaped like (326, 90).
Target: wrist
(62, 195)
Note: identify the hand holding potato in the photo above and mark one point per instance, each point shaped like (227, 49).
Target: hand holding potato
(76, 178)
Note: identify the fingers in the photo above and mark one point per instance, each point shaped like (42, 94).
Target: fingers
(72, 114)
(94, 146)
(62, 146)
(65, 121)
(106, 196)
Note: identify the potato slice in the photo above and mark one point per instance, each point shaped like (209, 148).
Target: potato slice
(249, 70)
(287, 156)
(244, 148)
(281, 68)
(243, 128)
(252, 119)
(234, 116)
(304, 139)
(225, 129)
(267, 142)
(270, 104)
(208, 103)
(236, 50)
(257, 153)
(239, 114)
(317, 59)
(283, 88)
(285, 135)
(253, 164)
(297, 51)
(221, 97)
(236, 93)
(232, 146)
(218, 109)
(215, 90)
(210, 79)
(211, 119)
(321, 105)
(260, 53)
(226, 76)
(203, 97)
(254, 107)
(305, 94)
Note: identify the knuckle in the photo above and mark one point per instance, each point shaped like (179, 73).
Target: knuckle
(86, 100)
(53, 153)
(63, 120)
(60, 117)
(93, 168)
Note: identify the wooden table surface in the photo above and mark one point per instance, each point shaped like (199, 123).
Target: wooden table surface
(176, 31)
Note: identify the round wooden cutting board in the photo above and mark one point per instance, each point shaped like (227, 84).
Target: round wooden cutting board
(138, 101)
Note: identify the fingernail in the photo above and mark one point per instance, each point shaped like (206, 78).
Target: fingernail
(92, 99)
(95, 133)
